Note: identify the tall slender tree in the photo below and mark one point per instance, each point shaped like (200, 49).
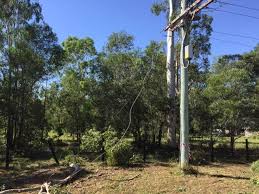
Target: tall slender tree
(29, 53)
(157, 8)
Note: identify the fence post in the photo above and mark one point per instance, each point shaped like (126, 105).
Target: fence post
(247, 150)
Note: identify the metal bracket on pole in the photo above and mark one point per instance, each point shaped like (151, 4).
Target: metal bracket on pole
(192, 10)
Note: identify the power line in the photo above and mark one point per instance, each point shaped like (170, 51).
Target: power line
(130, 111)
(234, 13)
(232, 42)
(236, 35)
(236, 5)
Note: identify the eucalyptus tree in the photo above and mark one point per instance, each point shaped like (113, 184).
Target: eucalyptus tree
(200, 36)
(169, 7)
(117, 81)
(155, 93)
(230, 90)
(29, 52)
(71, 99)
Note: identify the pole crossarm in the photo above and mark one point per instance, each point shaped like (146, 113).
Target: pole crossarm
(197, 10)
(191, 10)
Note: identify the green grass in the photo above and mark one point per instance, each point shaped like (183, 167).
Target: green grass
(239, 143)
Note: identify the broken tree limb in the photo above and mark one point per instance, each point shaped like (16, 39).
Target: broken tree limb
(64, 181)
(44, 188)
(20, 190)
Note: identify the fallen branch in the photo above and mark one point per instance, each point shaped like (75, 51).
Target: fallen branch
(129, 179)
(20, 190)
(64, 181)
(44, 188)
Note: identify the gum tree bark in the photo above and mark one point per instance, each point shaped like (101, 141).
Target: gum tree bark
(170, 66)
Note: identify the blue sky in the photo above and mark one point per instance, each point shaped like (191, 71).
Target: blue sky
(98, 19)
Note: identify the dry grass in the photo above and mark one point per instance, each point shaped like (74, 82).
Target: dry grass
(164, 178)
(150, 178)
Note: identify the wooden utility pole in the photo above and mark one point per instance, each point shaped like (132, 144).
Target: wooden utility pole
(170, 75)
(184, 22)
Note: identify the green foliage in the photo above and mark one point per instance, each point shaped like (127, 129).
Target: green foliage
(229, 90)
(120, 42)
(119, 154)
(110, 137)
(73, 159)
(30, 53)
(198, 156)
(118, 151)
(136, 158)
(20, 163)
(58, 190)
(52, 134)
(255, 166)
(159, 7)
(200, 39)
(91, 141)
(95, 90)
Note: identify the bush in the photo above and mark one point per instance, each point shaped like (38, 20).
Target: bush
(117, 152)
(120, 154)
(20, 163)
(110, 139)
(198, 156)
(73, 159)
(91, 141)
(255, 166)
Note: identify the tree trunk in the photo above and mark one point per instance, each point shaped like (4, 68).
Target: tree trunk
(177, 71)
(211, 147)
(160, 134)
(145, 147)
(9, 137)
(232, 141)
(171, 131)
(153, 138)
(9, 133)
(53, 151)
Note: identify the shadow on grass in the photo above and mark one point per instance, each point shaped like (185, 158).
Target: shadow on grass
(224, 176)
(38, 176)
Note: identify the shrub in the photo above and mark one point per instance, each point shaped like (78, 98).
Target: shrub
(198, 155)
(73, 159)
(20, 163)
(110, 138)
(91, 141)
(120, 154)
(255, 166)
(117, 152)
